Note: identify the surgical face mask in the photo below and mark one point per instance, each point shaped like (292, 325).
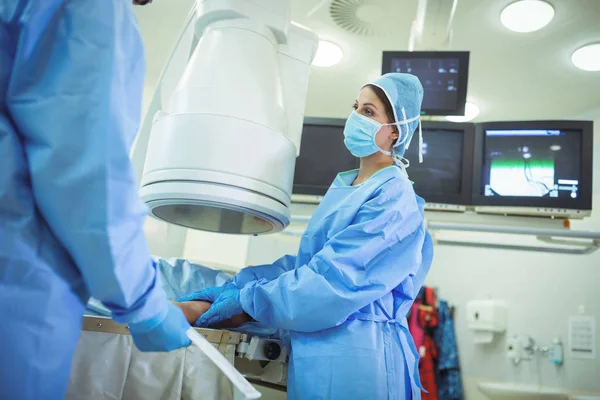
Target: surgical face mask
(359, 135)
(360, 132)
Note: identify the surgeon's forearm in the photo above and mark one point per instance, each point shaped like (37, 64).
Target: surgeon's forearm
(301, 301)
(267, 272)
(194, 310)
(304, 300)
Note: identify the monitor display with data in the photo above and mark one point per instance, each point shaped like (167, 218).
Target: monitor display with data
(532, 163)
(535, 164)
(444, 77)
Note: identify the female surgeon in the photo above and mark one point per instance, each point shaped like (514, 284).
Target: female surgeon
(361, 262)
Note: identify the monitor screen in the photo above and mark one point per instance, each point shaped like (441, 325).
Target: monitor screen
(441, 170)
(532, 163)
(445, 176)
(444, 77)
(322, 156)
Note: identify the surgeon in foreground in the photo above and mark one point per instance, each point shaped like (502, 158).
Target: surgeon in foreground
(362, 260)
(71, 222)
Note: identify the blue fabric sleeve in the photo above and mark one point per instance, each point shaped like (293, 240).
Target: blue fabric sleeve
(267, 272)
(75, 95)
(180, 277)
(371, 257)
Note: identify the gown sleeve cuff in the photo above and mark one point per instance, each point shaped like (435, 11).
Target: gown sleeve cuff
(151, 305)
(246, 299)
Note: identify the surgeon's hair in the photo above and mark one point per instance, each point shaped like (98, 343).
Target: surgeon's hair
(389, 111)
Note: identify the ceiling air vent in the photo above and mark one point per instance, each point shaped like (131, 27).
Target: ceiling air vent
(366, 17)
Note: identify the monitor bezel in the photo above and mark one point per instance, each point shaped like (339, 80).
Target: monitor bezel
(311, 190)
(468, 130)
(584, 202)
(463, 75)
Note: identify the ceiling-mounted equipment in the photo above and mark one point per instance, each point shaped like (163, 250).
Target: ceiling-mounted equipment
(220, 139)
(432, 27)
(443, 74)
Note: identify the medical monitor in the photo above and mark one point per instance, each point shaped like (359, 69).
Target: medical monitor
(443, 74)
(322, 156)
(444, 178)
(534, 168)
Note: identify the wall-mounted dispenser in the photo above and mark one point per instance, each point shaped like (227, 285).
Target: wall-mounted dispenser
(486, 317)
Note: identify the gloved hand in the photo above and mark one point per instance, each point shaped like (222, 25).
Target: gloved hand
(209, 294)
(164, 332)
(224, 307)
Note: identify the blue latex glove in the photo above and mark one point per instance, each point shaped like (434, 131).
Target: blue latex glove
(209, 294)
(224, 307)
(164, 332)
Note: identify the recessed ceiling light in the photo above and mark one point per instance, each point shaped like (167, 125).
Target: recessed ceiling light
(471, 111)
(527, 15)
(587, 57)
(328, 54)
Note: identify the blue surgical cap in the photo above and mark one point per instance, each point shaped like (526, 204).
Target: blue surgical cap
(405, 94)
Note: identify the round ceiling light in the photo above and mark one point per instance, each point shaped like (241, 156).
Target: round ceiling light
(587, 57)
(527, 15)
(328, 54)
(471, 111)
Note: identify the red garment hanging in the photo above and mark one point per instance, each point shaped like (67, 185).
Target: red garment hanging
(427, 319)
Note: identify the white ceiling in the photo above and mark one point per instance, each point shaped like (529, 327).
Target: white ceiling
(512, 75)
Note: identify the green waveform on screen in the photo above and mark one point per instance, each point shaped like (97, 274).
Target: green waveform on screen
(523, 163)
(522, 177)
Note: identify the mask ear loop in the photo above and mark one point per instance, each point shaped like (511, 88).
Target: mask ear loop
(398, 141)
(405, 123)
(420, 143)
(400, 161)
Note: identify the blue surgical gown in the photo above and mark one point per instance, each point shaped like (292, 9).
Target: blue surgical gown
(345, 296)
(71, 222)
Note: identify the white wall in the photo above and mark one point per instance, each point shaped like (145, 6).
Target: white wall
(541, 291)
(164, 240)
(210, 248)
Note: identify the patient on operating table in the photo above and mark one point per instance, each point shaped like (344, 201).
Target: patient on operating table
(194, 309)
